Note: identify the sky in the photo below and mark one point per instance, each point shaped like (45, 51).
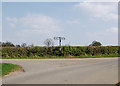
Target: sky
(79, 22)
(0, 21)
(60, 0)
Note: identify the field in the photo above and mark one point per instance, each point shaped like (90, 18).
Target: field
(8, 68)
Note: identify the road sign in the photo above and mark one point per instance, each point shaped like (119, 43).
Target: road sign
(60, 40)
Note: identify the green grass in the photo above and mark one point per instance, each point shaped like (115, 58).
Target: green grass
(58, 57)
(6, 68)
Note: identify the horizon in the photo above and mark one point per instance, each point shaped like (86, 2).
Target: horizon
(15, 45)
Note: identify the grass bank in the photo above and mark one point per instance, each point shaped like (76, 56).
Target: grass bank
(6, 68)
(61, 57)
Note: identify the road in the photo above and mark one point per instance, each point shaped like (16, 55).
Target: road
(64, 71)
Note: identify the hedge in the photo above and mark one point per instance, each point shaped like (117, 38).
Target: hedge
(54, 51)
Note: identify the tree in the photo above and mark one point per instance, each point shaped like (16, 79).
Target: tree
(23, 45)
(48, 42)
(17, 45)
(7, 44)
(95, 43)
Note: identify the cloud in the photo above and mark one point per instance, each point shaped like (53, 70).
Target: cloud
(35, 24)
(101, 0)
(12, 25)
(104, 11)
(112, 30)
(108, 36)
(12, 19)
(73, 22)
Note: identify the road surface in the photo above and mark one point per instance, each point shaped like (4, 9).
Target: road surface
(64, 71)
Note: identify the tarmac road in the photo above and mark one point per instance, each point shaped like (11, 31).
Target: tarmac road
(64, 71)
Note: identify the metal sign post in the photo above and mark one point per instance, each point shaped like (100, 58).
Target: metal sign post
(60, 41)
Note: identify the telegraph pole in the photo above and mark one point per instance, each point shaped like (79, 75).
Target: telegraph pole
(60, 41)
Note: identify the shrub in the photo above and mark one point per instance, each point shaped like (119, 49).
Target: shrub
(54, 51)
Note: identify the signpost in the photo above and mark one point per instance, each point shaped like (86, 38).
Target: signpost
(60, 41)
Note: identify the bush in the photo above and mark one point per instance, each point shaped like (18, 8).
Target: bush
(54, 51)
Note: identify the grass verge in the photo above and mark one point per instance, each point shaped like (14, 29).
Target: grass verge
(118, 84)
(59, 57)
(6, 68)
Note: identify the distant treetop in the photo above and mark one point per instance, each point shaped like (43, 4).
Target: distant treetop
(95, 43)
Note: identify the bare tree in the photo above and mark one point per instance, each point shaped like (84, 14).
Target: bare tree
(48, 42)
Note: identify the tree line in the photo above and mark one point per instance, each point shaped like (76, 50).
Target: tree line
(48, 42)
(10, 44)
(24, 50)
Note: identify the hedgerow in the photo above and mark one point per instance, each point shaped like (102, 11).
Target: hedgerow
(54, 51)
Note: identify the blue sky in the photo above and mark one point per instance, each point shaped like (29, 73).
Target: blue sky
(79, 23)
